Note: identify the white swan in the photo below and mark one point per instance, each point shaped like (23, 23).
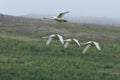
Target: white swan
(71, 41)
(90, 43)
(59, 18)
(54, 36)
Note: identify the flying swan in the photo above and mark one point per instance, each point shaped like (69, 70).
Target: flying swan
(59, 18)
(54, 36)
(71, 41)
(90, 43)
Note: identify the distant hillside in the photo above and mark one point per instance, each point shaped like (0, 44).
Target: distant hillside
(5, 19)
(37, 27)
(88, 20)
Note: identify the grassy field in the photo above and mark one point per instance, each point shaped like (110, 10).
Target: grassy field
(24, 55)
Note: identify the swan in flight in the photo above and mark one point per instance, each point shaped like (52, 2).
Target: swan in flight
(71, 41)
(59, 17)
(90, 43)
(54, 36)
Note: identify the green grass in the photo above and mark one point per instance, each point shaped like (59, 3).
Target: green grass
(24, 55)
(28, 60)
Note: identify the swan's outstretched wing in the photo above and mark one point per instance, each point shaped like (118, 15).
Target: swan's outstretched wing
(62, 14)
(60, 38)
(76, 41)
(97, 45)
(48, 41)
(66, 44)
(85, 49)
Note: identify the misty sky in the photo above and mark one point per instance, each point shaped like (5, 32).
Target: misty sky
(90, 8)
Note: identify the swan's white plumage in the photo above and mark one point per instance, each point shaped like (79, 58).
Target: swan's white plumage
(85, 49)
(97, 45)
(66, 44)
(77, 42)
(60, 38)
(71, 41)
(49, 40)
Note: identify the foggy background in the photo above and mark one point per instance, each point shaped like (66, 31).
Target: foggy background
(83, 11)
(89, 8)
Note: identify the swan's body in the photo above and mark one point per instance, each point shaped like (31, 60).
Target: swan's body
(59, 18)
(54, 36)
(71, 41)
(90, 43)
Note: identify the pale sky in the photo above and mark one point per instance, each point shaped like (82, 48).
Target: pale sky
(89, 8)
